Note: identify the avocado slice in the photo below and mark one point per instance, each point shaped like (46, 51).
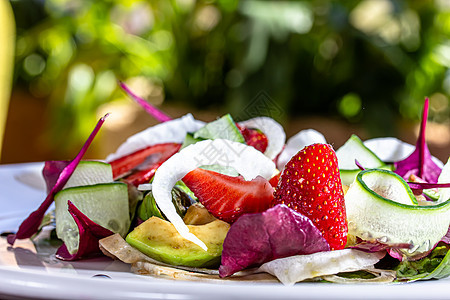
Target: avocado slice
(160, 240)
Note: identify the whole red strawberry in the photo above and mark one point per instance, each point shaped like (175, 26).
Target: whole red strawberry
(311, 185)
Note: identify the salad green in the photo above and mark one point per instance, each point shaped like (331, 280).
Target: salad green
(395, 233)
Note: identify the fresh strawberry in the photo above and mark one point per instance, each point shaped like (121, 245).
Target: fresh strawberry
(140, 166)
(311, 185)
(254, 138)
(228, 197)
(274, 180)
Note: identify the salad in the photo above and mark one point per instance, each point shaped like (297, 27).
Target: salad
(235, 200)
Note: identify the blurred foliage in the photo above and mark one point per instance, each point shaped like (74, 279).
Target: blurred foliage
(367, 61)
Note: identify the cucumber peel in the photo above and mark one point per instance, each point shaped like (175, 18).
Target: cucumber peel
(381, 206)
(189, 140)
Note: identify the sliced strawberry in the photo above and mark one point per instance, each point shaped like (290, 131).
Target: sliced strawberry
(311, 185)
(228, 197)
(142, 176)
(254, 138)
(140, 166)
(274, 180)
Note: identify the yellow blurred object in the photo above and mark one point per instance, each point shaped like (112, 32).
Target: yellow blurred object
(345, 188)
(7, 38)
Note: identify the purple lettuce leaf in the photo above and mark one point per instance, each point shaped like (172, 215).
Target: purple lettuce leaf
(418, 187)
(31, 224)
(358, 164)
(52, 170)
(150, 109)
(261, 237)
(446, 237)
(426, 185)
(376, 246)
(419, 163)
(89, 235)
(394, 250)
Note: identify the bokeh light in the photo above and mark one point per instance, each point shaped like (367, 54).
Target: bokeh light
(368, 63)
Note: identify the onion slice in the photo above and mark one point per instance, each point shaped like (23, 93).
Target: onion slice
(173, 131)
(297, 142)
(390, 149)
(274, 132)
(297, 268)
(246, 160)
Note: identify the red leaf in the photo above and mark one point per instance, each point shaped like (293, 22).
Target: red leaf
(419, 163)
(150, 109)
(31, 224)
(89, 233)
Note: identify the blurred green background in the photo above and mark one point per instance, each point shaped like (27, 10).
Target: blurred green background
(365, 65)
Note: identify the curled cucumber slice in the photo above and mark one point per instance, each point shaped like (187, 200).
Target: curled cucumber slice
(381, 206)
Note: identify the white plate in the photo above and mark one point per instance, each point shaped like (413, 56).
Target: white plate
(34, 273)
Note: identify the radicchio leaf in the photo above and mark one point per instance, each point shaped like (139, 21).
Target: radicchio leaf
(357, 163)
(31, 224)
(446, 237)
(261, 237)
(419, 163)
(52, 170)
(376, 246)
(150, 109)
(89, 235)
(425, 185)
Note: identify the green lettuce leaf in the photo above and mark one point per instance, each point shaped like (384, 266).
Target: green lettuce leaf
(434, 266)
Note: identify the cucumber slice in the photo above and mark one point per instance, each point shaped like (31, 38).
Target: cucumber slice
(348, 176)
(90, 172)
(381, 206)
(433, 194)
(149, 208)
(189, 140)
(106, 204)
(353, 149)
(223, 128)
